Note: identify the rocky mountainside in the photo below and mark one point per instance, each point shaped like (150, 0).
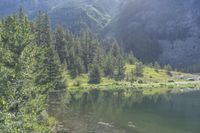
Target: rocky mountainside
(73, 14)
(163, 30)
(167, 31)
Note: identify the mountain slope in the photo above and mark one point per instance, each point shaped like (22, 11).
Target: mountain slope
(94, 14)
(167, 30)
(73, 17)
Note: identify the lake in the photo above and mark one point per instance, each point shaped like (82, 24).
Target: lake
(129, 112)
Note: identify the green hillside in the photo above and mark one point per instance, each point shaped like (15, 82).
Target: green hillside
(153, 81)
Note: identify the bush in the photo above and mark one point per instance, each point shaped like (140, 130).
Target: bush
(171, 81)
(77, 83)
(140, 82)
(169, 73)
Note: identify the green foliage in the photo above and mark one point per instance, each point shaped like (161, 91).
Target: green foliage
(131, 59)
(109, 65)
(192, 68)
(169, 69)
(22, 67)
(42, 29)
(120, 69)
(139, 69)
(114, 65)
(60, 44)
(157, 65)
(77, 83)
(95, 75)
(80, 53)
(30, 67)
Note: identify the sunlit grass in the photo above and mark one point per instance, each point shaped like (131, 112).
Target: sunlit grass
(154, 81)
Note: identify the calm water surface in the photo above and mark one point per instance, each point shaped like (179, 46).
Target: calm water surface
(120, 112)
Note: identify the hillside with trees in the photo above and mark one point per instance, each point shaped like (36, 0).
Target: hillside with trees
(37, 60)
(33, 58)
(162, 31)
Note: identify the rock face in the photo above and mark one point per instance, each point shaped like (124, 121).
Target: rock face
(73, 14)
(171, 25)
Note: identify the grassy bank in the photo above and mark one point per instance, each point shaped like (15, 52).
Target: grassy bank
(153, 81)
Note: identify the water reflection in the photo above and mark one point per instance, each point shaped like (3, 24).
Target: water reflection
(130, 111)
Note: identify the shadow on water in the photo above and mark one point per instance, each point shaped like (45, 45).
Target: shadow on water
(130, 111)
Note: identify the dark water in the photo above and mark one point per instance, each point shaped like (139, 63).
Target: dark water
(130, 112)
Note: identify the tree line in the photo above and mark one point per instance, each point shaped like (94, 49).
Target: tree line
(28, 70)
(32, 54)
(85, 54)
(32, 58)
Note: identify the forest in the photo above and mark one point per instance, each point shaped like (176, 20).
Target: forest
(37, 59)
(33, 57)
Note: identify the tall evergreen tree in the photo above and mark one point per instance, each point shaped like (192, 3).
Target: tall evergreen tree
(109, 65)
(115, 49)
(131, 58)
(38, 27)
(94, 75)
(18, 75)
(120, 69)
(139, 69)
(51, 67)
(89, 48)
(157, 65)
(60, 44)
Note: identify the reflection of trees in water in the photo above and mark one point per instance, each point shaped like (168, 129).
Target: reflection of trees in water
(86, 109)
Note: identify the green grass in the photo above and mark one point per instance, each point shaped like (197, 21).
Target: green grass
(150, 74)
(154, 81)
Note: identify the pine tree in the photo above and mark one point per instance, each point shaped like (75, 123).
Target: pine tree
(43, 29)
(109, 65)
(99, 57)
(94, 75)
(156, 65)
(75, 64)
(19, 73)
(120, 69)
(117, 62)
(139, 68)
(52, 74)
(89, 48)
(38, 28)
(168, 67)
(60, 44)
(115, 49)
(131, 58)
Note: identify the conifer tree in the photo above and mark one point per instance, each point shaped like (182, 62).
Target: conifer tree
(18, 75)
(120, 69)
(94, 75)
(99, 57)
(38, 28)
(109, 65)
(168, 67)
(139, 68)
(60, 44)
(131, 58)
(75, 63)
(118, 62)
(115, 49)
(51, 67)
(156, 65)
(89, 48)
